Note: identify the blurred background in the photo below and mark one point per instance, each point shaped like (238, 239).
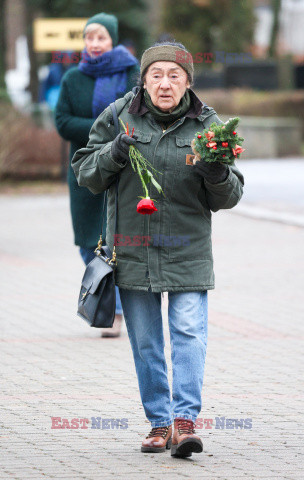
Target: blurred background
(249, 61)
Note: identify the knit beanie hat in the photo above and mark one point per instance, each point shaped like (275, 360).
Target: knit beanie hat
(110, 22)
(167, 53)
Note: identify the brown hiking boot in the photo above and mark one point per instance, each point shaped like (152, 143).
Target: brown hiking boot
(115, 330)
(158, 440)
(184, 440)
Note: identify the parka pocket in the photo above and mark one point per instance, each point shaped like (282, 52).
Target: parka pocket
(189, 234)
(143, 137)
(129, 238)
(143, 143)
(186, 220)
(185, 177)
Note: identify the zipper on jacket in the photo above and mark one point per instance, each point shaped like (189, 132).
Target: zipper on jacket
(149, 192)
(148, 259)
(164, 129)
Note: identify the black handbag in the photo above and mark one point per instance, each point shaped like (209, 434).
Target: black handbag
(97, 298)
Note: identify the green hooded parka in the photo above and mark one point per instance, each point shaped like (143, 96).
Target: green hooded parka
(169, 250)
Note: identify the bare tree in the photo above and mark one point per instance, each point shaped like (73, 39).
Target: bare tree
(34, 81)
(276, 7)
(2, 45)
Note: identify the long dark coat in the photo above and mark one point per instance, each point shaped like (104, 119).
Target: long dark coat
(74, 120)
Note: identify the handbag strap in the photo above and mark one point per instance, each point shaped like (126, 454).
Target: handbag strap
(117, 131)
(115, 118)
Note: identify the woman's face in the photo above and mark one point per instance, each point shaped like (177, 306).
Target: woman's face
(98, 41)
(166, 83)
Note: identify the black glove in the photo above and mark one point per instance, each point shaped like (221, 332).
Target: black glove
(120, 147)
(214, 172)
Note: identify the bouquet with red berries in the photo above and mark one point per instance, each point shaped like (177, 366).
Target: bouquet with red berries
(218, 143)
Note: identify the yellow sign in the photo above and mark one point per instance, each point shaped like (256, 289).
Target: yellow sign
(58, 34)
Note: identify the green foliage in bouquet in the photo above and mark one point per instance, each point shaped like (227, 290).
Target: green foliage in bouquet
(219, 143)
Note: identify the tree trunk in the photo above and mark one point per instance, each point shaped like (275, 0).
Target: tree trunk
(276, 7)
(34, 81)
(2, 45)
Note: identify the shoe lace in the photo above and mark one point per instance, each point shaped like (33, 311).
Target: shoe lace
(185, 426)
(158, 432)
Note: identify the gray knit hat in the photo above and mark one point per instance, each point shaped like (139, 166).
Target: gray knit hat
(167, 53)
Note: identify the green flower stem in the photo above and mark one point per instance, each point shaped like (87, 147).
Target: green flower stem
(140, 164)
(143, 183)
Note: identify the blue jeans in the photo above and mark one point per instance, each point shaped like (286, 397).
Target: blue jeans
(87, 255)
(188, 323)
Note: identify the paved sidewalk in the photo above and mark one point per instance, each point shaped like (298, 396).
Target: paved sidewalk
(273, 190)
(53, 365)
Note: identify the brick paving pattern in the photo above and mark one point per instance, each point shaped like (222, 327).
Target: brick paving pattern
(54, 365)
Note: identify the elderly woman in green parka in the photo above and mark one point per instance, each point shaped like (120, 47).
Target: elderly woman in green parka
(177, 257)
(106, 72)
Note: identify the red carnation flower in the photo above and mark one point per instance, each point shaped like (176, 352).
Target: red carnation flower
(146, 206)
